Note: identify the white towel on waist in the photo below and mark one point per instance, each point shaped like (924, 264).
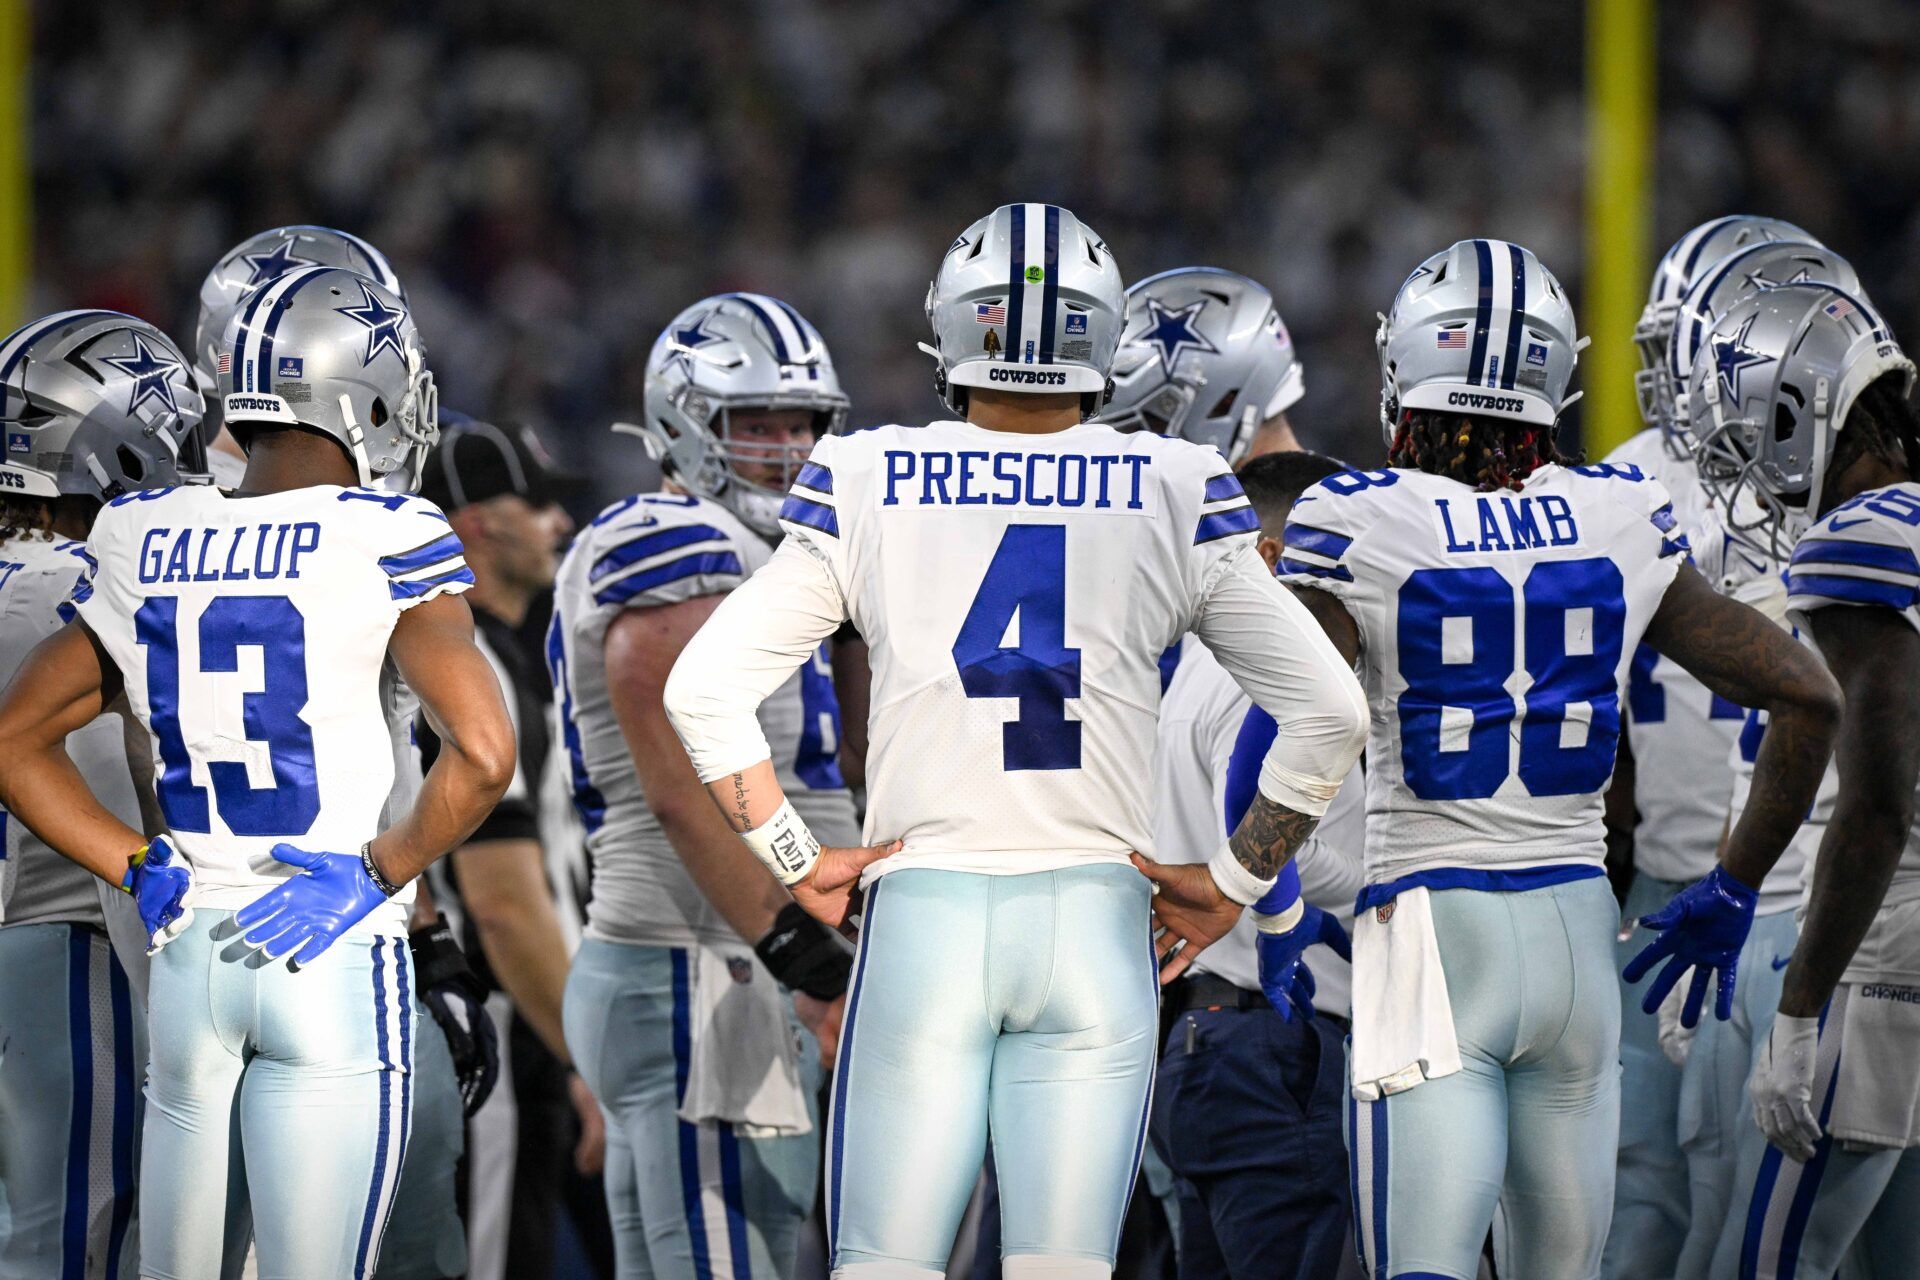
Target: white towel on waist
(744, 1065)
(1402, 1019)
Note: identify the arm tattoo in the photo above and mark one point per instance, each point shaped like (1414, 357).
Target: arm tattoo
(738, 818)
(1268, 836)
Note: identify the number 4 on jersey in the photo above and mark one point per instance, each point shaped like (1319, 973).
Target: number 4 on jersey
(1024, 595)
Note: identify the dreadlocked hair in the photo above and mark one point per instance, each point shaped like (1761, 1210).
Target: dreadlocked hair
(25, 518)
(1487, 453)
(1882, 421)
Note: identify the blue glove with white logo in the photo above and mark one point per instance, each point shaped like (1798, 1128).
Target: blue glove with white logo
(332, 893)
(1703, 929)
(158, 879)
(1284, 975)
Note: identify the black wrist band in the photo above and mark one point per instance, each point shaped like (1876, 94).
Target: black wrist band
(802, 954)
(374, 873)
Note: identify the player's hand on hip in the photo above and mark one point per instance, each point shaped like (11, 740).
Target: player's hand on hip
(308, 912)
(458, 1003)
(1189, 912)
(1782, 1086)
(1284, 975)
(159, 881)
(828, 892)
(822, 1018)
(1703, 929)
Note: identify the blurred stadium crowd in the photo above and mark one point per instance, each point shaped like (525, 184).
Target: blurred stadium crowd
(555, 179)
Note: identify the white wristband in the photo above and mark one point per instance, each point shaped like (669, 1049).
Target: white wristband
(785, 844)
(1285, 922)
(1234, 880)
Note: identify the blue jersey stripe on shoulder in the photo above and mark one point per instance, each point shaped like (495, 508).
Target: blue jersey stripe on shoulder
(658, 542)
(416, 587)
(700, 563)
(1849, 590)
(815, 477)
(1222, 487)
(1340, 573)
(1224, 524)
(444, 547)
(815, 515)
(1325, 542)
(1869, 555)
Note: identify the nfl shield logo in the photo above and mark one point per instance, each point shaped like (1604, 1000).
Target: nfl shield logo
(1076, 322)
(19, 442)
(1383, 913)
(740, 968)
(290, 367)
(1536, 353)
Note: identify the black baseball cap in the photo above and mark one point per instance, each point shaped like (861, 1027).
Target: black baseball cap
(475, 461)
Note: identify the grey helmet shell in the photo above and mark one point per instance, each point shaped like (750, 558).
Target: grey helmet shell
(1482, 328)
(1768, 396)
(1689, 258)
(96, 404)
(1027, 299)
(334, 352)
(1204, 357)
(727, 353)
(265, 257)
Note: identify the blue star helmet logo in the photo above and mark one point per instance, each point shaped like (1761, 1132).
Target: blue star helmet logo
(274, 263)
(685, 339)
(152, 374)
(1173, 332)
(1732, 355)
(382, 322)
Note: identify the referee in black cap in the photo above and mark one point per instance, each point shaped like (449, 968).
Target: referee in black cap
(502, 494)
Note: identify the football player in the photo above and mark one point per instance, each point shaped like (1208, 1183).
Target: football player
(97, 404)
(1205, 357)
(249, 630)
(257, 260)
(673, 1021)
(1494, 598)
(1678, 777)
(1801, 398)
(1017, 575)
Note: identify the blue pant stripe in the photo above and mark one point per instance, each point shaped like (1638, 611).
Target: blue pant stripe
(125, 1115)
(689, 1134)
(372, 1210)
(1146, 1111)
(1757, 1209)
(734, 1193)
(1809, 1189)
(1378, 1117)
(1353, 1174)
(844, 1068)
(403, 968)
(73, 1260)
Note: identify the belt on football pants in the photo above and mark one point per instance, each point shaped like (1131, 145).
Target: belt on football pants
(1207, 991)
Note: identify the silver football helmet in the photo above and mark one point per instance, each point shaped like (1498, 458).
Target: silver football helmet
(1745, 271)
(96, 404)
(332, 351)
(265, 257)
(1204, 357)
(1027, 299)
(1768, 395)
(1692, 256)
(722, 355)
(1481, 328)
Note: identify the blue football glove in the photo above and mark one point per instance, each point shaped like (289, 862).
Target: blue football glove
(458, 1003)
(1703, 929)
(158, 880)
(1284, 975)
(332, 893)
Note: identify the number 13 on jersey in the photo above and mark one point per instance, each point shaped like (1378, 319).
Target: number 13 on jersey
(1013, 644)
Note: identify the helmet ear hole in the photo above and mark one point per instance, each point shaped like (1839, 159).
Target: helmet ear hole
(131, 464)
(379, 411)
(1783, 423)
(1225, 404)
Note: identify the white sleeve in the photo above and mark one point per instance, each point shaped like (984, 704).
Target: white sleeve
(1276, 651)
(751, 644)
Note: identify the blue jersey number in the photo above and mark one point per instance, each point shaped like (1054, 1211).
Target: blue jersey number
(1027, 582)
(274, 626)
(817, 763)
(1456, 629)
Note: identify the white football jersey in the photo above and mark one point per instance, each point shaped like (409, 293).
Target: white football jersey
(1866, 552)
(1017, 592)
(1680, 731)
(251, 634)
(644, 551)
(1496, 632)
(37, 885)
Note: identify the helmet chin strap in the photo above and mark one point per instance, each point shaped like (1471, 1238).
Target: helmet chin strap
(356, 442)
